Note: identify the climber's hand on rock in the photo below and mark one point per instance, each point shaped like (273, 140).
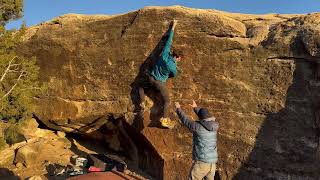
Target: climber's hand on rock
(177, 104)
(174, 23)
(194, 104)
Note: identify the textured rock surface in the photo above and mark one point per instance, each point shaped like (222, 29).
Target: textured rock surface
(35, 153)
(7, 156)
(31, 156)
(29, 128)
(258, 74)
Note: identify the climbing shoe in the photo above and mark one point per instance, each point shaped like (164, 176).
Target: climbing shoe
(167, 123)
(143, 106)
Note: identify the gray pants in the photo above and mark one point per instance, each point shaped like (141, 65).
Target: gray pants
(160, 87)
(201, 170)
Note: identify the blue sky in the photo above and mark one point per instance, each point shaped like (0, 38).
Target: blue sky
(37, 11)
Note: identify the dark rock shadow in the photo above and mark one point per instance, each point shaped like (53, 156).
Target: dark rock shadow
(156, 111)
(53, 170)
(148, 158)
(7, 174)
(98, 142)
(285, 145)
(217, 175)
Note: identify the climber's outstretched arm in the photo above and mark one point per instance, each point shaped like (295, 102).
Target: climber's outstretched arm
(166, 49)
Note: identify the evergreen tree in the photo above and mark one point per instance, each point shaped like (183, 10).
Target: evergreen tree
(10, 10)
(18, 75)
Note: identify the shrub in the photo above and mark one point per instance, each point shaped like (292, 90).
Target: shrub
(3, 143)
(12, 134)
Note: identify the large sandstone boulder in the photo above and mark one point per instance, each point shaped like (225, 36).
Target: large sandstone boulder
(29, 128)
(258, 74)
(42, 150)
(39, 148)
(7, 156)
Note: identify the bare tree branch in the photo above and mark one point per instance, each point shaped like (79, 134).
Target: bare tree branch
(35, 88)
(13, 71)
(15, 64)
(7, 70)
(21, 74)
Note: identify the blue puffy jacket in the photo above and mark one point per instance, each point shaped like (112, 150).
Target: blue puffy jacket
(204, 138)
(166, 65)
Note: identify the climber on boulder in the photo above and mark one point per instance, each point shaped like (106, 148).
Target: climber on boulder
(164, 68)
(204, 145)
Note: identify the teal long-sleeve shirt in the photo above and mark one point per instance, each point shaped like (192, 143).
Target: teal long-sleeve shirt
(166, 65)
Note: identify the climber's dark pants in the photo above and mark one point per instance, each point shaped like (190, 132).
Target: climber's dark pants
(160, 87)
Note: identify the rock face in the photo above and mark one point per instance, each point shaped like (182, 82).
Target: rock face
(258, 74)
(56, 150)
(40, 148)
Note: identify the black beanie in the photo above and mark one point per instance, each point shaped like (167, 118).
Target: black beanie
(203, 113)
